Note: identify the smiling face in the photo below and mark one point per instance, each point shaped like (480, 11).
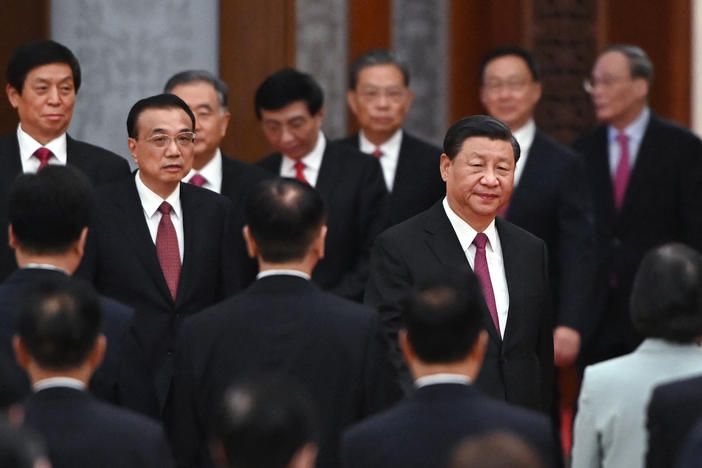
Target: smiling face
(45, 105)
(211, 120)
(292, 130)
(508, 91)
(380, 101)
(161, 168)
(479, 179)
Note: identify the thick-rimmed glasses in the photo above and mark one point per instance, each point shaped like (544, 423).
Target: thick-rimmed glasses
(374, 94)
(589, 84)
(183, 140)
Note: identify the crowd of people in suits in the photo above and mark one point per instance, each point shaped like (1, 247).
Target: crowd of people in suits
(374, 301)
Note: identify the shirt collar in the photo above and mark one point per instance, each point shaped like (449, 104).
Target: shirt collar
(313, 159)
(151, 201)
(52, 382)
(525, 136)
(45, 266)
(391, 146)
(212, 171)
(465, 231)
(283, 271)
(28, 145)
(635, 130)
(442, 378)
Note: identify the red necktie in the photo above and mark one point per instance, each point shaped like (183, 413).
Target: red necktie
(480, 267)
(621, 177)
(43, 155)
(299, 174)
(198, 179)
(167, 249)
(377, 153)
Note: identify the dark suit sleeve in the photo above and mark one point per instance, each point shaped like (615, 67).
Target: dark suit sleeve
(371, 221)
(691, 453)
(575, 249)
(231, 271)
(380, 377)
(691, 193)
(545, 343)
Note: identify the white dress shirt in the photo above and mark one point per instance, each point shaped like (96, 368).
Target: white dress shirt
(312, 162)
(283, 271)
(391, 154)
(635, 132)
(493, 253)
(28, 145)
(150, 202)
(525, 137)
(441, 378)
(53, 382)
(212, 172)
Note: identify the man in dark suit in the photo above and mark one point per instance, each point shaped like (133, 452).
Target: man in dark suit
(59, 343)
(276, 429)
(207, 95)
(43, 78)
(461, 231)
(645, 174)
(49, 214)
(443, 342)
(672, 413)
(156, 244)
(379, 97)
(282, 324)
(550, 199)
(289, 105)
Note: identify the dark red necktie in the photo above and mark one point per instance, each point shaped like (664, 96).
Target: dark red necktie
(43, 155)
(198, 179)
(299, 174)
(377, 153)
(167, 249)
(480, 267)
(621, 177)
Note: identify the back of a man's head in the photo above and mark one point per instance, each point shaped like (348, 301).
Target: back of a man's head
(265, 424)
(49, 210)
(36, 53)
(666, 299)
(284, 217)
(58, 323)
(443, 317)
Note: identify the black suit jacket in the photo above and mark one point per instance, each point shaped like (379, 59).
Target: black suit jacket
(120, 259)
(237, 179)
(352, 186)
(285, 325)
(101, 166)
(82, 431)
(662, 204)
(552, 202)
(417, 184)
(424, 429)
(519, 367)
(120, 377)
(672, 413)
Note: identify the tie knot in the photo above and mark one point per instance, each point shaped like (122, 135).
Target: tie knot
(480, 240)
(299, 165)
(198, 179)
(377, 152)
(165, 208)
(43, 155)
(622, 138)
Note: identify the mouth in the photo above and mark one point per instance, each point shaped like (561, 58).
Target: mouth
(53, 117)
(173, 167)
(487, 197)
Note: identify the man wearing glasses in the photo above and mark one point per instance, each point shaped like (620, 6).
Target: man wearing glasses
(646, 179)
(379, 97)
(159, 245)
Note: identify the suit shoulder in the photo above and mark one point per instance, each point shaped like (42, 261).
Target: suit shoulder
(671, 130)
(351, 140)
(271, 163)
(349, 154)
(550, 146)
(590, 138)
(421, 146)
(203, 195)
(248, 171)
(515, 233)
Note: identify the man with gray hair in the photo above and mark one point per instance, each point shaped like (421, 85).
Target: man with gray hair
(207, 96)
(646, 178)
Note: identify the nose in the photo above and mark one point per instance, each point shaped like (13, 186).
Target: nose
(172, 149)
(489, 178)
(286, 135)
(383, 100)
(54, 96)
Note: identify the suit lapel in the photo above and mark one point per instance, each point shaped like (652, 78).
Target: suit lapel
(443, 242)
(514, 273)
(602, 193)
(330, 172)
(533, 171)
(645, 165)
(129, 214)
(405, 168)
(189, 206)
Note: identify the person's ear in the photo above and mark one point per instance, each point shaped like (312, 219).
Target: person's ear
(251, 245)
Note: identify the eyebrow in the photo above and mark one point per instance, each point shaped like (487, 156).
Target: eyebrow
(204, 106)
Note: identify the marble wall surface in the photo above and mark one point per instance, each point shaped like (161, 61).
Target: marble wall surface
(127, 50)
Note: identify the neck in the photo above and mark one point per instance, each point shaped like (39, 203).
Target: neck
(66, 262)
(378, 138)
(465, 367)
(201, 160)
(479, 223)
(163, 190)
(306, 265)
(37, 374)
(627, 119)
(42, 139)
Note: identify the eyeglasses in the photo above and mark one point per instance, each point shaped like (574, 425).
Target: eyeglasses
(183, 140)
(373, 94)
(513, 85)
(607, 81)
